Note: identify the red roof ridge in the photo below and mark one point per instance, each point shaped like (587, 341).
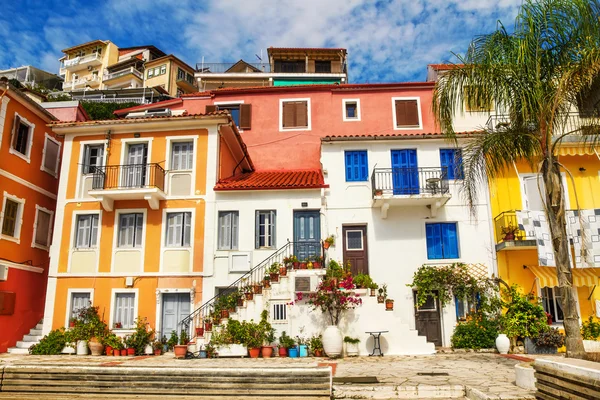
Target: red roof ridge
(149, 106)
(311, 178)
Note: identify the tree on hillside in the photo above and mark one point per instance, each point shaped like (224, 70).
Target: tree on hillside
(537, 75)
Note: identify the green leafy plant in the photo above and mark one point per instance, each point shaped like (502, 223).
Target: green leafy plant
(550, 337)
(183, 338)
(363, 281)
(477, 332)
(51, 344)
(524, 316)
(89, 325)
(286, 341)
(330, 240)
(316, 343)
(173, 340)
(442, 282)
(113, 341)
(590, 329)
(142, 336)
(254, 334)
(102, 111)
(274, 268)
(382, 291)
(351, 340)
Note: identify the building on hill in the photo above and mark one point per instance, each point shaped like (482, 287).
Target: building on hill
(29, 75)
(285, 67)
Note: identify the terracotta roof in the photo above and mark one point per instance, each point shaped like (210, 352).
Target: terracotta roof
(307, 48)
(141, 107)
(86, 44)
(445, 66)
(274, 179)
(384, 136)
(141, 119)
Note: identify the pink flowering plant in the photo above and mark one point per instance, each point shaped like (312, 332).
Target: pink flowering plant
(332, 297)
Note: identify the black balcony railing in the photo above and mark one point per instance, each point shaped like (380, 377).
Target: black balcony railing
(506, 227)
(409, 181)
(130, 176)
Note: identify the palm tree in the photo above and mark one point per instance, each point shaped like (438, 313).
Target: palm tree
(536, 75)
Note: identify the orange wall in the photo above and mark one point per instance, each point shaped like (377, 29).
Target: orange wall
(227, 162)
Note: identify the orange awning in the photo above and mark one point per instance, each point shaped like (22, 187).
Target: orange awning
(581, 150)
(581, 276)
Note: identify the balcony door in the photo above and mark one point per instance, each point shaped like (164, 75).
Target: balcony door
(134, 170)
(405, 172)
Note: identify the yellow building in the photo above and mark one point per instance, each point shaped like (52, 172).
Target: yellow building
(518, 261)
(83, 65)
(172, 74)
(130, 221)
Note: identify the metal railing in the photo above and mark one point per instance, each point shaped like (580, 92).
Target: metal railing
(81, 81)
(130, 176)
(508, 222)
(81, 60)
(251, 279)
(219, 68)
(124, 72)
(576, 122)
(117, 100)
(409, 181)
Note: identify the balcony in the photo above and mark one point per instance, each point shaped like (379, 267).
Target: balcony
(505, 238)
(92, 81)
(277, 68)
(222, 68)
(128, 182)
(579, 123)
(79, 63)
(129, 73)
(426, 186)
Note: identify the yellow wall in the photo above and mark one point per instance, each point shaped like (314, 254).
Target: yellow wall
(110, 55)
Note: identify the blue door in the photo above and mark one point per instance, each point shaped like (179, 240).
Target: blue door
(307, 234)
(405, 172)
(175, 307)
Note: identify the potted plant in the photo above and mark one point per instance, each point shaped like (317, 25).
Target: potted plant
(257, 288)
(118, 325)
(267, 281)
(590, 331)
(141, 339)
(546, 342)
(200, 330)
(292, 349)
(509, 232)
(302, 346)
(351, 346)
(269, 335)
(173, 340)
(248, 292)
(157, 347)
(329, 241)
(164, 341)
(291, 261)
(389, 305)
(285, 342)
(202, 353)
(129, 343)
(208, 325)
(274, 272)
(72, 322)
(316, 345)
(181, 348)
(254, 337)
(117, 346)
(382, 294)
(282, 270)
(318, 262)
(373, 289)
(96, 347)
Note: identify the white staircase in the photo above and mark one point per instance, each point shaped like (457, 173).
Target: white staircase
(33, 337)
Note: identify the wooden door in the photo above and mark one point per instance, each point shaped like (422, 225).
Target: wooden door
(428, 321)
(175, 307)
(307, 234)
(356, 248)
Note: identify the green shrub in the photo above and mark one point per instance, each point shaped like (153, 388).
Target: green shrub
(476, 333)
(524, 316)
(102, 111)
(590, 329)
(51, 344)
(550, 338)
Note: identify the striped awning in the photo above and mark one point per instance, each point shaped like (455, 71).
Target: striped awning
(581, 276)
(581, 150)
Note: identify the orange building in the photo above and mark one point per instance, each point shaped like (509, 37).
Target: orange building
(131, 215)
(29, 164)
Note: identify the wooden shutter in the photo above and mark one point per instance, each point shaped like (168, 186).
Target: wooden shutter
(9, 227)
(210, 108)
(51, 155)
(42, 229)
(289, 114)
(407, 113)
(16, 123)
(245, 116)
(301, 114)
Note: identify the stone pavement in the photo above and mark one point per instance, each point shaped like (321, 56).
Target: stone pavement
(440, 376)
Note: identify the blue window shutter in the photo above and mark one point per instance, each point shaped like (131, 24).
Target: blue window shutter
(458, 165)
(348, 166)
(449, 241)
(434, 241)
(364, 168)
(356, 166)
(446, 162)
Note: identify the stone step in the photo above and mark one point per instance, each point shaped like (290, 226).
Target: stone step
(39, 327)
(17, 350)
(35, 331)
(32, 338)
(24, 345)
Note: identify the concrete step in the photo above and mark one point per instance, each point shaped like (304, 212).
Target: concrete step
(35, 331)
(24, 345)
(32, 338)
(39, 327)
(17, 350)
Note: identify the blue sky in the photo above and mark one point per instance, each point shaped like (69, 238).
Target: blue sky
(387, 41)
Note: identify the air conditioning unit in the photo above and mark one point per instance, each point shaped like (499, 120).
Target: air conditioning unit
(3, 272)
(161, 112)
(306, 284)
(138, 114)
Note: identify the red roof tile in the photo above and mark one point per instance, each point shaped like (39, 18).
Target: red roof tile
(274, 179)
(220, 113)
(445, 66)
(141, 107)
(383, 136)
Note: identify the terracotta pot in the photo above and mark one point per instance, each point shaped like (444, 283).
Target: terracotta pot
(378, 192)
(266, 283)
(71, 324)
(224, 313)
(316, 264)
(282, 271)
(249, 296)
(372, 292)
(96, 348)
(200, 331)
(231, 310)
(131, 351)
(123, 352)
(180, 350)
(157, 352)
(296, 265)
(257, 289)
(274, 277)
(509, 236)
(108, 351)
(266, 351)
(318, 353)
(326, 245)
(254, 352)
(116, 352)
(208, 326)
(389, 305)
(282, 352)
(303, 265)
(380, 299)
(240, 302)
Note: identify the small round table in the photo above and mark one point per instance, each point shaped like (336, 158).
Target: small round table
(376, 343)
(433, 184)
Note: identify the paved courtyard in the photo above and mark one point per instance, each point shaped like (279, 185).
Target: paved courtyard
(478, 375)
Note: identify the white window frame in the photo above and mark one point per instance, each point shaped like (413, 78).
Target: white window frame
(35, 223)
(125, 148)
(556, 304)
(163, 69)
(113, 303)
(167, 211)
(219, 212)
(18, 220)
(272, 234)
(344, 116)
(362, 239)
(142, 248)
(74, 236)
(397, 128)
(135, 239)
(230, 103)
(70, 292)
(26, 157)
(308, 116)
(170, 141)
(80, 174)
(75, 231)
(43, 167)
(283, 305)
(523, 176)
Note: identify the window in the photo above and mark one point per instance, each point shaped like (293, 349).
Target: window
(180, 74)
(265, 229)
(42, 227)
(354, 240)
(442, 240)
(179, 229)
(86, 229)
(279, 313)
(79, 301)
(451, 161)
(11, 218)
(291, 66)
(240, 113)
(228, 230)
(50, 157)
(156, 71)
(357, 168)
(295, 114)
(466, 306)
(189, 78)
(182, 156)
(323, 67)
(351, 109)
(124, 311)
(92, 158)
(150, 73)
(551, 303)
(234, 110)
(131, 228)
(163, 69)
(406, 113)
(22, 135)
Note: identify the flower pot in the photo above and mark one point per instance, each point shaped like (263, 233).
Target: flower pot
(351, 349)
(180, 350)
(326, 245)
(249, 296)
(123, 352)
(116, 352)
(266, 284)
(502, 343)
(389, 305)
(316, 264)
(266, 351)
(380, 299)
(282, 271)
(303, 265)
(202, 354)
(378, 192)
(274, 277)
(332, 341)
(296, 265)
(131, 351)
(509, 236)
(318, 353)
(157, 352)
(148, 349)
(200, 331)
(372, 293)
(69, 349)
(303, 350)
(224, 314)
(257, 289)
(254, 352)
(591, 346)
(82, 348)
(240, 302)
(208, 326)
(283, 352)
(293, 352)
(108, 351)
(532, 348)
(71, 324)
(96, 348)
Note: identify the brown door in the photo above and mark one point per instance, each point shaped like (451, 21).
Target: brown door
(427, 320)
(355, 248)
